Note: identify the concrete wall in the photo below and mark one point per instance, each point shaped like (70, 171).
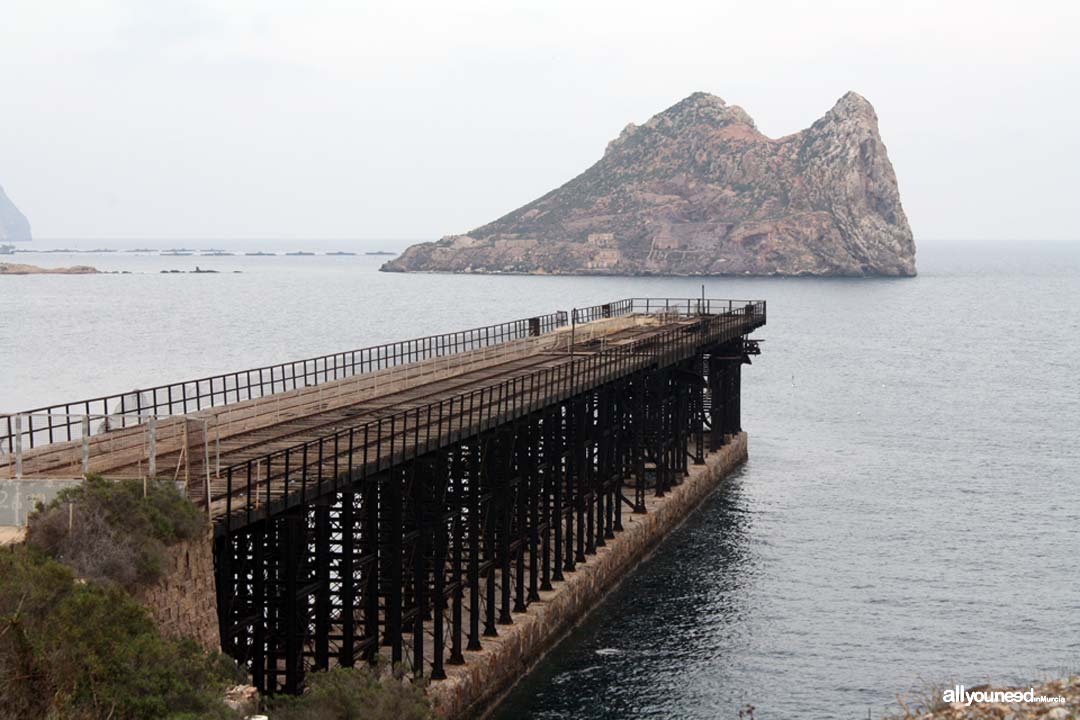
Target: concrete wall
(473, 688)
(183, 602)
(19, 497)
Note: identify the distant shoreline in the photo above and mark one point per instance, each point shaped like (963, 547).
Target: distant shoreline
(206, 252)
(23, 269)
(596, 272)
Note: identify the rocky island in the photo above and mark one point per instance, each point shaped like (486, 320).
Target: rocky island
(698, 190)
(14, 227)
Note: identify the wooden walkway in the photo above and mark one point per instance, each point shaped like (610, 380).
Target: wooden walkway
(244, 460)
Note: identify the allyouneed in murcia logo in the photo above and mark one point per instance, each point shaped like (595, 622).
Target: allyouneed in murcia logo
(960, 694)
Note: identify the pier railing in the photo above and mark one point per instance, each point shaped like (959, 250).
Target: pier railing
(64, 422)
(127, 445)
(665, 306)
(297, 474)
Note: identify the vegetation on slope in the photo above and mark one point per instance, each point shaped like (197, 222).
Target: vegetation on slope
(359, 693)
(115, 532)
(71, 649)
(76, 644)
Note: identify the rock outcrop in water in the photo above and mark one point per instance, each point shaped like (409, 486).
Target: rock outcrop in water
(698, 190)
(14, 227)
(23, 269)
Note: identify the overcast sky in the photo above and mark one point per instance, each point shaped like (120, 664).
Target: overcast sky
(411, 120)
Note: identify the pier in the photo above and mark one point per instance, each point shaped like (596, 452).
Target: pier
(409, 500)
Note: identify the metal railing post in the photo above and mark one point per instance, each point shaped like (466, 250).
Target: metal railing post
(18, 447)
(86, 444)
(151, 465)
(206, 460)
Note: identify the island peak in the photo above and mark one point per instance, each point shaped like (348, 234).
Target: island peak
(698, 190)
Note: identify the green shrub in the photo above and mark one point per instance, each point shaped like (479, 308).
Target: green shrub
(78, 650)
(75, 644)
(111, 533)
(358, 693)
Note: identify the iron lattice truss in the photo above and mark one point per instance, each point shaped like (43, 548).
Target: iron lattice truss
(421, 560)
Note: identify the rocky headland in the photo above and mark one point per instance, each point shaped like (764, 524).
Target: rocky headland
(698, 190)
(14, 227)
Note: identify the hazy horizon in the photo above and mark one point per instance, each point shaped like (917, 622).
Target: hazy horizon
(46, 246)
(268, 122)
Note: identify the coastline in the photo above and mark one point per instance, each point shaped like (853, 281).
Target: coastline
(592, 272)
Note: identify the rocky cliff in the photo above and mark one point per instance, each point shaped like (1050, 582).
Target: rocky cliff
(14, 226)
(698, 190)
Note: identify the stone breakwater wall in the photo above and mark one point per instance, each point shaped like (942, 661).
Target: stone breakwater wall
(183, 602)
(472, 689)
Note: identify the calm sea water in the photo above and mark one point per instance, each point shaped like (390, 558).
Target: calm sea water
(910, 514)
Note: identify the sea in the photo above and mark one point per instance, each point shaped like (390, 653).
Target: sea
(909, 517)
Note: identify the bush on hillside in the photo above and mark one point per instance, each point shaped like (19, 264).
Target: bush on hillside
(75, 644)
(84, 650)
(112, 533)
(358, 693)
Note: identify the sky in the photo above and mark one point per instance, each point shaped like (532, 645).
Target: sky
(405, 121)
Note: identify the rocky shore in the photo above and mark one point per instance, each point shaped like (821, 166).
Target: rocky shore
(21, 269)
(1004, 703)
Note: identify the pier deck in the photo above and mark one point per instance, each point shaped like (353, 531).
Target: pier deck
(246, 438)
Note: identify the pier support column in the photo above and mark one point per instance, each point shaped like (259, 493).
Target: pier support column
(292, 550)
(535, 450)
(638, 422)
(725, 374)
(346, 574)
(697, 407)
(322, 539)
(475, 544)
(419, 474)
(580, 476)
(548, 503)
(504, 507)
(457, 578)
(394, 529)
(370, 563)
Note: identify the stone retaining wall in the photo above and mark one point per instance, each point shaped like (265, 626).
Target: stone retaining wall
(183, 601)
(473, 689)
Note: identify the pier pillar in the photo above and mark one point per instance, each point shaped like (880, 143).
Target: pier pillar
(725, 379)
